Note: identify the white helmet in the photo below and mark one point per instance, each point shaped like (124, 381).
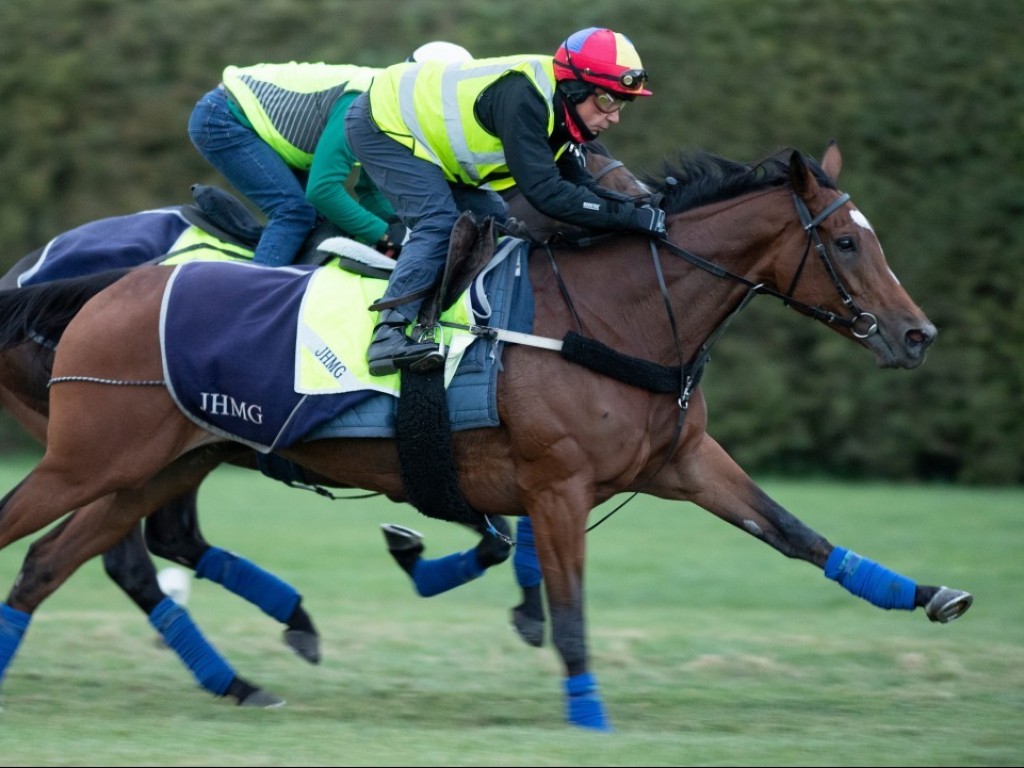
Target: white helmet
(439, 50)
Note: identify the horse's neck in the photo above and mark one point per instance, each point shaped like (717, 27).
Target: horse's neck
(614, 287)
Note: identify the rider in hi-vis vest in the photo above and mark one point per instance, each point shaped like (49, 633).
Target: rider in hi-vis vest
(441, 138)
(288, 105)
(276, 132)
(418, 107)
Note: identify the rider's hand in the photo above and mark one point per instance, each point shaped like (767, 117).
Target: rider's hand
(391, 242)
(648, 220)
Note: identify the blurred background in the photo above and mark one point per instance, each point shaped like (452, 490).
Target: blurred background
(925, 98)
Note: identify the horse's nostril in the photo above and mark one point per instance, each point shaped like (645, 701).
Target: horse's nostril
(919, 337)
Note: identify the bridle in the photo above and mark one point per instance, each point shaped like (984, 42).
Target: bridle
(811, 228)
(859, 318)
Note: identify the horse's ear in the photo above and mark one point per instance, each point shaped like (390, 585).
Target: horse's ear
(800, 177)
(832, 161)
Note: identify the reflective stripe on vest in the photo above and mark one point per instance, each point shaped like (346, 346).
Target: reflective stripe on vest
(428, 107)
(288, 104)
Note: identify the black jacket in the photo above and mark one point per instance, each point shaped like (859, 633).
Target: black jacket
(513, 110)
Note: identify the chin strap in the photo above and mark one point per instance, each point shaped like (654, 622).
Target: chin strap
(575, 125)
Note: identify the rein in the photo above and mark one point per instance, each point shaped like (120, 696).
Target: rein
(608, 169)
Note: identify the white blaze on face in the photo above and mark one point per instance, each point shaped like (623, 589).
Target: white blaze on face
(862, 221)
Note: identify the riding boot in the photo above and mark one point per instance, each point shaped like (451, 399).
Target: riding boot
(391, 349)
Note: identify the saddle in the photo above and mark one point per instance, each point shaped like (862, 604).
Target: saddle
(223, 215)
(471, 246)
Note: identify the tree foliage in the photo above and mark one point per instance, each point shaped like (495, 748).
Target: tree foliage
(925, 97)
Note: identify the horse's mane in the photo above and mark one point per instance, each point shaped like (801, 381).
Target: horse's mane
(697, 178)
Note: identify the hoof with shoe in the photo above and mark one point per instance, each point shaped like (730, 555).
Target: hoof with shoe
(530, 629)
(401, 539)
(948, 604)
(305, 644)
(262, 699)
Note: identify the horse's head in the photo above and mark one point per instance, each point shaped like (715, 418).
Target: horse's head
(843, 272)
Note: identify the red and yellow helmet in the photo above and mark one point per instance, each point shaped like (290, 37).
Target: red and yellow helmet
(602, 58)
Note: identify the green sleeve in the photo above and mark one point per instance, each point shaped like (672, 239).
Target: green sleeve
(333, 162)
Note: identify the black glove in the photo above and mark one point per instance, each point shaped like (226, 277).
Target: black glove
(392, 241)
(650, 221)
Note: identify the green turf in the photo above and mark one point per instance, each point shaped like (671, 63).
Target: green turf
(711, 649)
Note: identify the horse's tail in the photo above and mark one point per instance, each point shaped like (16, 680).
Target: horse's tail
(42, 312)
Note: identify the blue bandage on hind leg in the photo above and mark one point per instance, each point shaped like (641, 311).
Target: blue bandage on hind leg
(583, 703)
(13, 625)
(432, 577)
(184, 638)
(869, 580)
(524, 561)
(266, 591)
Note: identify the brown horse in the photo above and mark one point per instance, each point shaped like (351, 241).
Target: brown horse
(222, 225)
(619, 410)
(173, 530)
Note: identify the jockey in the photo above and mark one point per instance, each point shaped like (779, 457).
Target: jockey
(276, 132)
(438, 138)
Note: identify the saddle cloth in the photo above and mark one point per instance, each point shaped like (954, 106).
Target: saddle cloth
(271, 357)
(112, 243)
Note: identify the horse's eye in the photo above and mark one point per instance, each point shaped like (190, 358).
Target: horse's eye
(846, 243)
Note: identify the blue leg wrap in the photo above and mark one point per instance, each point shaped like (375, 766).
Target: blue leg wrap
(13, 624)
(432, 577)
(583, 703)
(869, 580)
(266, 591)
(524, 561)
(184, 638)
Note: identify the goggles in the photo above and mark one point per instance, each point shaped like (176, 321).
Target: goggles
(608, 103)
(630, 80)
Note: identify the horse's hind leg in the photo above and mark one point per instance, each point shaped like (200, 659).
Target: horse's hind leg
(95, 528)
(172, 532)
(435, 576)
(528, 616)
(727, 492)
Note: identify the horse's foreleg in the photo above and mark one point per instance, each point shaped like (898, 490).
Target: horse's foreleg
(560, 542)
(711, 479)
(172, 532)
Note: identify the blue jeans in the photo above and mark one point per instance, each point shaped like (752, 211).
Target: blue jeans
(422, 198)
(256, 170)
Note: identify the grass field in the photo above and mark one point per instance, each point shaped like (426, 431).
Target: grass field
(711, 649)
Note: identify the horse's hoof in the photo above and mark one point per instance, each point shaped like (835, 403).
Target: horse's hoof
(948, 604)
(262, 699)
(305, 644)
(402, 539)
(531, 630)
